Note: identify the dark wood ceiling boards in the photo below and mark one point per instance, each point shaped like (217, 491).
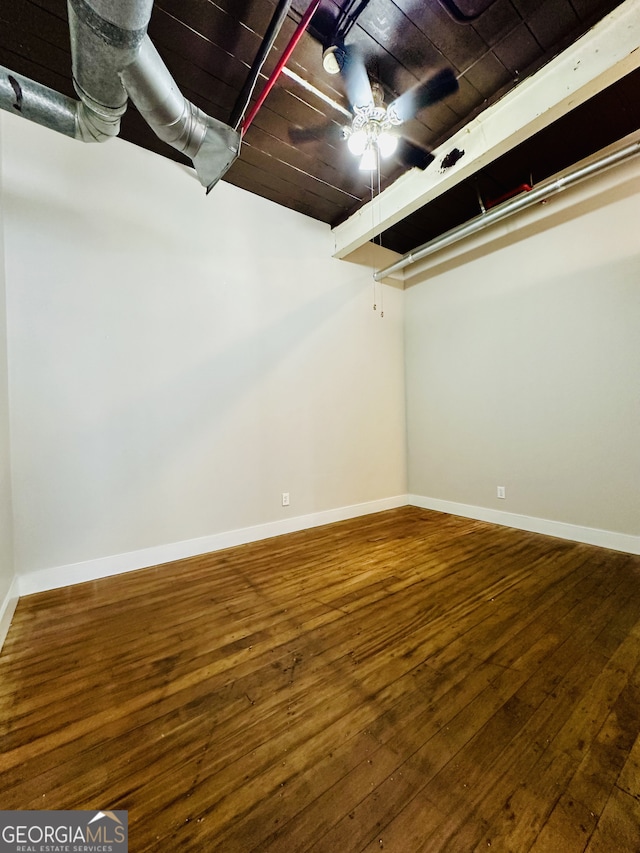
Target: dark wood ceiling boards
(209, 45)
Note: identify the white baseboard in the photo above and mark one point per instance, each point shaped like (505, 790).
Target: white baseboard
(59, 576)
(7, 609)
(589, 535)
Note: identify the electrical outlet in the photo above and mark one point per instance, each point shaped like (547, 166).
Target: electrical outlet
(285, 499)
(502, 492)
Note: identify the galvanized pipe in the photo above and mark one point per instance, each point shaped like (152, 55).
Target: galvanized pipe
(105, 37)
(210, 144)
(37, 103)
(159, 101)
(113, 59)
(508, 208)
(26, 98)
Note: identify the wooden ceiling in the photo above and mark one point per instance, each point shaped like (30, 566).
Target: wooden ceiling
(208, 47)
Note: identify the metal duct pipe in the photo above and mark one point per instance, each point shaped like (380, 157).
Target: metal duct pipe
(211, 145)
(113, 59)
(508, 208)
(37, 103)
(105, 38)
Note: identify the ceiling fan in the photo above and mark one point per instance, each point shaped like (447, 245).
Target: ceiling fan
(373, 131)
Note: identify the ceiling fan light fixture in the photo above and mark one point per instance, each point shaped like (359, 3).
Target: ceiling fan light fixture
(369, 160)
(333, 59)
(358, 141)
(371, 134)
(387, 143)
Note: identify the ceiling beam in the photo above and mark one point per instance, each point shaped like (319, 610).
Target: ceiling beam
(602, 56)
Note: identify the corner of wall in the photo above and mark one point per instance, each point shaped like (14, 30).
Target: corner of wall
(7, 609)
(8, 579)
(624, 542)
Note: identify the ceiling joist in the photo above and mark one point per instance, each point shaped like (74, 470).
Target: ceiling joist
(605, 54)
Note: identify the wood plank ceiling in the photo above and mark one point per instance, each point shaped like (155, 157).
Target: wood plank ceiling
(208, 47)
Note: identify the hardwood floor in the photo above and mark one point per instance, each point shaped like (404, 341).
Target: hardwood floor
(409, 681)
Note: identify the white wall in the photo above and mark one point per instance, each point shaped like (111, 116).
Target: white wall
(523, 370)
(8, 591)
(177, 361)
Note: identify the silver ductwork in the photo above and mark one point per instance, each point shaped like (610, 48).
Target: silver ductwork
(113, 59)
(210, 144)
(24, 97)
(105, 37)
(37, 103)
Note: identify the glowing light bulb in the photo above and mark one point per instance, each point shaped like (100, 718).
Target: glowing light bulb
(387, 143)
(369, 160)
(357, 142)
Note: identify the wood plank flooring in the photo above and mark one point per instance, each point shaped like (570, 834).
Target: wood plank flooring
(407, 681)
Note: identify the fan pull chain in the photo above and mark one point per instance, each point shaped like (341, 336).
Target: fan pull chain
(380, 241)
(373, 222)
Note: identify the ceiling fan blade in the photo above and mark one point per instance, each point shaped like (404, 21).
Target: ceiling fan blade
(330, 132)
(431, 91)
(356, 79)
(414, 155)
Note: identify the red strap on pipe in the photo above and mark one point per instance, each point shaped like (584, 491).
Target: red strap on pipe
(523, 188)
(295, 38)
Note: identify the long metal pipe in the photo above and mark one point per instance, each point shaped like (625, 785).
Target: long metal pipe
(295, 38)
(508, 208)
(45, 106)
(270, 36)
(38, 103)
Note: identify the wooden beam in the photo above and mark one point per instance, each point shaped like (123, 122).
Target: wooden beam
(602, 56)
